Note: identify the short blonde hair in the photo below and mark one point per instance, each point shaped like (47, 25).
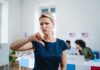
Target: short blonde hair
(48, 15)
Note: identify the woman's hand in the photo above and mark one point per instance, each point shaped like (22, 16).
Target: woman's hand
(77, 51)
(38, 38)
(25, 43)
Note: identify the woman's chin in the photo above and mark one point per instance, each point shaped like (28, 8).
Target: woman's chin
(45, 33)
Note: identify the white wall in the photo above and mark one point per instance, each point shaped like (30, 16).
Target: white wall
(27, 16)
(79, 16)
(0, 22)
(3, 21)
(14, 25)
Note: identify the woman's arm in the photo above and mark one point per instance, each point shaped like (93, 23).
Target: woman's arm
(21, 44)
(63, 63)
(25, 43)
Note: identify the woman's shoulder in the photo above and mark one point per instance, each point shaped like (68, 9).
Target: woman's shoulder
(60, 40)
(62, 44)
(87, 48)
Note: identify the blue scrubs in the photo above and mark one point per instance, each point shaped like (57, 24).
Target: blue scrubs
(48, 57)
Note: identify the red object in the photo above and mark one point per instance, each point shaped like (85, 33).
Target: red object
(95, 68)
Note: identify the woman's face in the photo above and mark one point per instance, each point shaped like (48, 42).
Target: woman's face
(46, 25)
(78, 47)
(68, 45)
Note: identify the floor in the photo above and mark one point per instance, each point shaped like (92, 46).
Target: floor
(16, 67)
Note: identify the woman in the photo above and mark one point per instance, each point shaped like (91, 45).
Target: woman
(50, 52)
(81, 49)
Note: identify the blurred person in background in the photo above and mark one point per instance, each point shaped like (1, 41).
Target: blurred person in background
(81, 49)
(70, 50)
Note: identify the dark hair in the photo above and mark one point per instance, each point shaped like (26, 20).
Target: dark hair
(67, 41)
(81, 43)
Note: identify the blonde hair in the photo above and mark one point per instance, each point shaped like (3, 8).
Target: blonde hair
(48, 15)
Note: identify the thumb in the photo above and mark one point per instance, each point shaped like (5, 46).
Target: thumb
(42, 43)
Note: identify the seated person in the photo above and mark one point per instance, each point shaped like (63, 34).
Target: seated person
(81, 49)
(70, 49)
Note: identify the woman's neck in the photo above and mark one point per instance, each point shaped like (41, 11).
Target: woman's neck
(49, 38)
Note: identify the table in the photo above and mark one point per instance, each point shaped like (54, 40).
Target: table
(73, 63)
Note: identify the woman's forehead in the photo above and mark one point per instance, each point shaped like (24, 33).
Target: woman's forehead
(45, 19)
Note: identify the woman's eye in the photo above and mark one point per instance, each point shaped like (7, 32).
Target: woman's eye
(46, 23)
(41, 23)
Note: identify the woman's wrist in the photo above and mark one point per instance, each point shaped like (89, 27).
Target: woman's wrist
(30, 38)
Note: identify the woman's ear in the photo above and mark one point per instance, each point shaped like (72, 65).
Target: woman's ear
(53, 25)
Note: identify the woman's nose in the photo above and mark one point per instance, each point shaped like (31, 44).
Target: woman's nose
(43, 26)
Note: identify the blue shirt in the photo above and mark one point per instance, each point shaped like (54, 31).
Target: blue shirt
(48, 57)
(71, 51)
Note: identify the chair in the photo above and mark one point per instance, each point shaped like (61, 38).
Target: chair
(70, 67)
(96, 53)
